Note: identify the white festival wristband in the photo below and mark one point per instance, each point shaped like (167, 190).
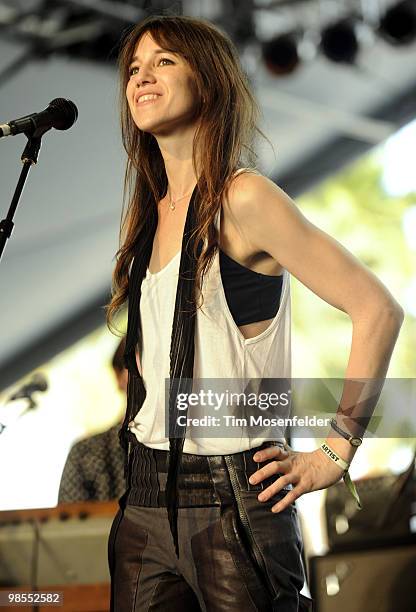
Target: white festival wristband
(329, 452)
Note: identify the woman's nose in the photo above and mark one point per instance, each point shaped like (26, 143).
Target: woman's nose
(145, 75)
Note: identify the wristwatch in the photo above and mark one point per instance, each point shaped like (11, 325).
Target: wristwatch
(353, 440)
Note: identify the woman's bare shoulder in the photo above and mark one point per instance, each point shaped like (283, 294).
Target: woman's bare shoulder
(248, 186)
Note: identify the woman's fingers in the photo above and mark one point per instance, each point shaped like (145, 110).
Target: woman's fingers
(282, 464)
(269, 453)
(275, 487)
(273, 467)
(306, 471)
(289, 498)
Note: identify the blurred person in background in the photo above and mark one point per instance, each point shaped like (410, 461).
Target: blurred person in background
(94, 468)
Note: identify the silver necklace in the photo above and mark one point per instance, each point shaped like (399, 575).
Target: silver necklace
(172, 203)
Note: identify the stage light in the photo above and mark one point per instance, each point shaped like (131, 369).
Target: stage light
(398, 25)
(280, 54)
(339, 42)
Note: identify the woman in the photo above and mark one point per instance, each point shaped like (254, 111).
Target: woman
(208, 521)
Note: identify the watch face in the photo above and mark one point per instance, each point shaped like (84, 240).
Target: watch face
(356, 441)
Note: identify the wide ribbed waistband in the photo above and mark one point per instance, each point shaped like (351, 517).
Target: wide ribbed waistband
(148, 467)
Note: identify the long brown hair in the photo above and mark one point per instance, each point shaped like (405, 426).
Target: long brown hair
(228, 115)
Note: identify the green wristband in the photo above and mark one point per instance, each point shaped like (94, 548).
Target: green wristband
(351, 487)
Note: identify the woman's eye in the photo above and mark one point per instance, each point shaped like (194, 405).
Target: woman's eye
(133, 69)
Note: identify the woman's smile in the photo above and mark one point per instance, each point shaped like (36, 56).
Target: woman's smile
(147, 99)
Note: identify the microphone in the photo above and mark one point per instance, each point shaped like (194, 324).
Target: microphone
(61, 114)
(38, 383)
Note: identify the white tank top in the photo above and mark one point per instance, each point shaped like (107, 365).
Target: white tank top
(221, 352)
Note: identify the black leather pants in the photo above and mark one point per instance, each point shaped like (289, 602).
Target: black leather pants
(234, 555)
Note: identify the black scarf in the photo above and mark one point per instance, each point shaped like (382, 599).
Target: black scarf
(182, 351)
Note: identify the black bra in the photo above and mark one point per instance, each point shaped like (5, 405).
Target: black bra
(251, 296)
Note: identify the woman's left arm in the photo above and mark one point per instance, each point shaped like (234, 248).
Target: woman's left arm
(270, 221)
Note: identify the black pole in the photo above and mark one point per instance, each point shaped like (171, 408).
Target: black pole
(29, 157)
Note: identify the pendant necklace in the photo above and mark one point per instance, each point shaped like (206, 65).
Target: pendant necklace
(172, 203)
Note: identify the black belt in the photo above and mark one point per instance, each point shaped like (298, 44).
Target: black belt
(148, 469)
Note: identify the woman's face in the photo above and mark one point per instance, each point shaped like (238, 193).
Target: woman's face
(169, 81)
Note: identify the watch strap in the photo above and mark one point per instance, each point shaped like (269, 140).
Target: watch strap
(348, 436)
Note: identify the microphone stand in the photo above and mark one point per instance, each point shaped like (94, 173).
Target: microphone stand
(29, 157)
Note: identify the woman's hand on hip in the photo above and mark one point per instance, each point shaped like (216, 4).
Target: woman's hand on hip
(306, 471)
